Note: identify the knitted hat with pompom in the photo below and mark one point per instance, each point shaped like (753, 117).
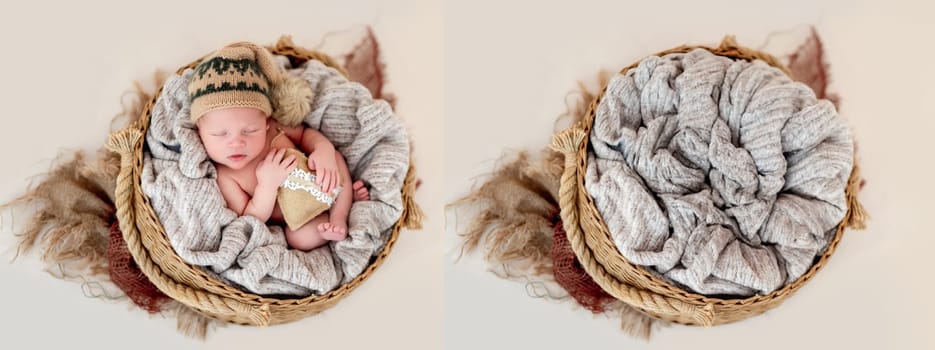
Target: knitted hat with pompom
(244, 75)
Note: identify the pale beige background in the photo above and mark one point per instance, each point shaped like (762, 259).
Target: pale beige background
(506, 70)
(508, 67)
(64, 69)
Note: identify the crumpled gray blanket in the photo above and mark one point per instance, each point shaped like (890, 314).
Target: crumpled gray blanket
(180, 182)
(723, 176)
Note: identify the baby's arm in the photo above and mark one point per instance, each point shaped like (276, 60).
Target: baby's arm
(262, 203)
(260, 206)
(235, 197)
(313, 140)
(270, 174)
(294, 133)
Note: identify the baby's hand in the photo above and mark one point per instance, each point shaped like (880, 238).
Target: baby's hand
(274, 170)
(325, 165)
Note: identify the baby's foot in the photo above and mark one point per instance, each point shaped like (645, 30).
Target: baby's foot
(361, 193)
(332, 232)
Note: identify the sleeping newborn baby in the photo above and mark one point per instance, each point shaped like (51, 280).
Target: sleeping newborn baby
(249, 113)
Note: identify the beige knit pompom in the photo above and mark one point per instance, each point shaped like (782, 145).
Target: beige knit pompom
(292, 100)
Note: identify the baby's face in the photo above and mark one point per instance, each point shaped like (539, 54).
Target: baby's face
(233, 137)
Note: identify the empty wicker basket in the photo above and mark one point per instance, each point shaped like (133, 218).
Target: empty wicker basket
(595, 249)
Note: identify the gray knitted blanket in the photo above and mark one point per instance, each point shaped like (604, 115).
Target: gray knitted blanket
(180, 182)
(723, 176)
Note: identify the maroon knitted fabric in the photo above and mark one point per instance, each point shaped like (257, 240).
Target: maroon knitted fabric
(570, 275)
(127, 275)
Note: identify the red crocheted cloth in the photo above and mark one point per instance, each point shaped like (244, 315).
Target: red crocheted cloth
(570, 275)
(127, 275)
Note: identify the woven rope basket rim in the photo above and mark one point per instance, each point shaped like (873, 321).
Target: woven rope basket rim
(192, 286)
(592, 243)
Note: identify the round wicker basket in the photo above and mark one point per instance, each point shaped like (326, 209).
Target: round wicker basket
(592, 243)
(148, 244)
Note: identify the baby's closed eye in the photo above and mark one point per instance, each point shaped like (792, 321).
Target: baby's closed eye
(245, 132)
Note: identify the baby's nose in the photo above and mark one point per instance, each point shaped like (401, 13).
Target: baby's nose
(237, 141)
